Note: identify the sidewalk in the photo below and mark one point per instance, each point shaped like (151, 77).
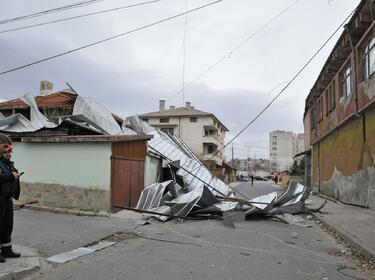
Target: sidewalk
(354, 224)
(28, 263)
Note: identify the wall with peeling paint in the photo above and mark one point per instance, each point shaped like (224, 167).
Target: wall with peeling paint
(343, 163)
(339, 117)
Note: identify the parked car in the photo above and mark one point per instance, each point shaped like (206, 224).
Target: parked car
(259, 178)
(244, 179)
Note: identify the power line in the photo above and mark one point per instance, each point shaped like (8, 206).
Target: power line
(79, 16)
(50, 11)
(108, 39)
(229, 53)
(283, 90)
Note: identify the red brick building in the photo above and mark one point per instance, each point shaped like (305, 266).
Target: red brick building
(339, 117)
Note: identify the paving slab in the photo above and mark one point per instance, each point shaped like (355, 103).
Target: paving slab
(354, 224)
(14, 269)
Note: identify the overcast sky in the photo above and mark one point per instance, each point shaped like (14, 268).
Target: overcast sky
(130, 74)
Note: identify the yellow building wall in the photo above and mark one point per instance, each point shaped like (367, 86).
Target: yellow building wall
(347, 163)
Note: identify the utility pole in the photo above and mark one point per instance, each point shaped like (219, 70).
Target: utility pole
(232, 154)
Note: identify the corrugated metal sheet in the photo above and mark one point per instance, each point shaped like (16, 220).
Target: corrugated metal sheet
(36, 117)
(18, 123)
(194, 173)
(97, 114)
(86, 113)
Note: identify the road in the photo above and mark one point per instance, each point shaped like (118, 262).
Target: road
(256, 249)
(52, 233)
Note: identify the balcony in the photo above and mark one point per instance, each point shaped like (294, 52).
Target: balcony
(209, 153)
(210, 139)
(217, 158)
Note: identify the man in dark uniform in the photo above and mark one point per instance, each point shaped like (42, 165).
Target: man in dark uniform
(9, 188)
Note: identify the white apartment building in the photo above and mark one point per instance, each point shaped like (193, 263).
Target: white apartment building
(283, 146)
(201, 131)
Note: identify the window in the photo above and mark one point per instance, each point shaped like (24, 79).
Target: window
(274, 149)
(274, 137)
(274, 143)
(145, 120)
(211, 149)
(210, 132)
(369, 59)
(164, 120)
(167, 130)
(347, 82)
(313, 117)
(333, 96)
(193, 119)
(327, 102)
(320, 108)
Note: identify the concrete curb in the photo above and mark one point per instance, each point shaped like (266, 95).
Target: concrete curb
(58, 210)
(355, 244)
(17, 269)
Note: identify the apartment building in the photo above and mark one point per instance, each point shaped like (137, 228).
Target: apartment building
(203, 132)
(339, 116)
(283, 146)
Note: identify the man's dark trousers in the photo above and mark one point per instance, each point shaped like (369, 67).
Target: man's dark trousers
(6, 221)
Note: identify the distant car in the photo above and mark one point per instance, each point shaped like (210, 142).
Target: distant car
(259, 178)
(244, 179)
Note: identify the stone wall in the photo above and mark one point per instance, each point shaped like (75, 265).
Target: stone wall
(71, 197)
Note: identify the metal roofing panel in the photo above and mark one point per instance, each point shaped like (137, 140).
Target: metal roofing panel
(96, 113)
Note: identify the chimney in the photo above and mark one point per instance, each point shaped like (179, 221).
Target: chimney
(46, 87)
(161, 105)
(172, 107)
(188, 105)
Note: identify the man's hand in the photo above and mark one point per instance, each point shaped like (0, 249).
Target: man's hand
(16, 175)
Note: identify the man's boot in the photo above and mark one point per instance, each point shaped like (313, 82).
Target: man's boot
(2, 259)
(7, 252)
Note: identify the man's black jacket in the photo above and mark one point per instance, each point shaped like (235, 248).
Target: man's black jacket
(9, 187)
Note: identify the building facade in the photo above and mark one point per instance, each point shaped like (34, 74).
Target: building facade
(339, 117)
(90, 173)
(283, 145)
(202, 132)
(259, 167)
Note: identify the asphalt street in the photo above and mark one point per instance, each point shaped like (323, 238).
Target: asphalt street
(207, 249)
(52, 233)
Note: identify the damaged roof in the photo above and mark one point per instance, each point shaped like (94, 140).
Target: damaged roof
(60, 99)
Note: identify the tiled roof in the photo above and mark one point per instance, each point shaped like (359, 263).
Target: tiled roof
(58, 99)
(180, 112)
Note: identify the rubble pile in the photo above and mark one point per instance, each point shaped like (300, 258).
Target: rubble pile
(193, 191)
